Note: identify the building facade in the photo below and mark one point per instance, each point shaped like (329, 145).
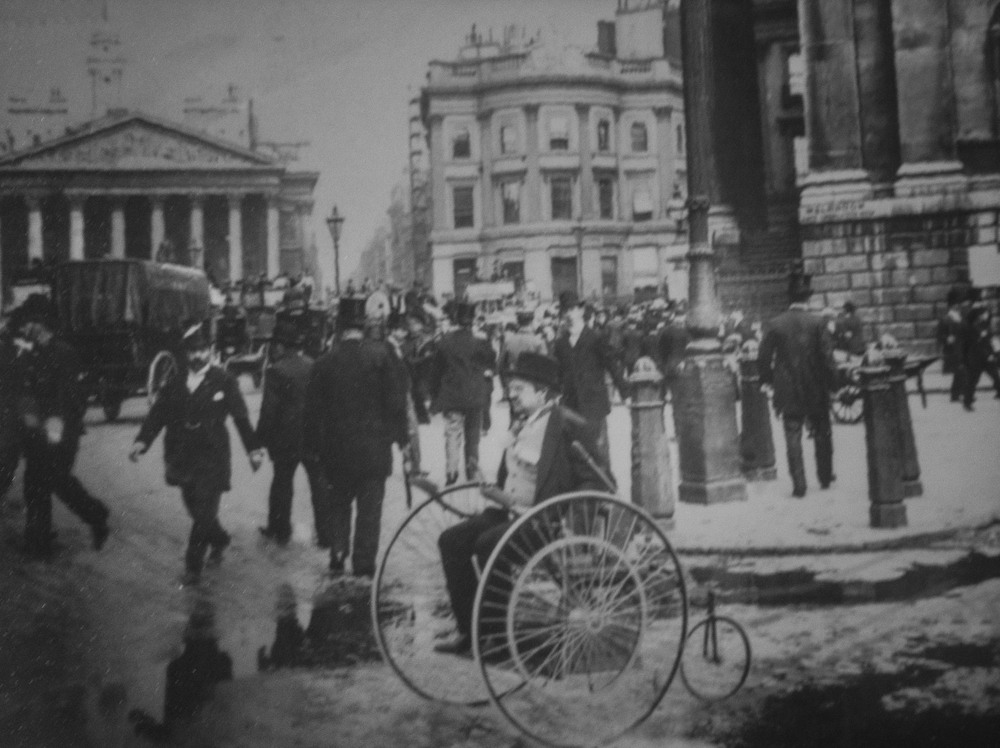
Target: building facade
(133, 185)
(559, 168)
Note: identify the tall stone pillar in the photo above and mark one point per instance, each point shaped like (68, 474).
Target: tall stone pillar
(664, 157)
(705, 399)
(117, 229)
(197, 233)
(586, 168)
(486, 159)
(926, 94)
(77, 249)
(439, 154)
(36, 249)
(533, 177)
(273, 241)
(157, 225)
(832, 103)
(235, 237)
(879, 117)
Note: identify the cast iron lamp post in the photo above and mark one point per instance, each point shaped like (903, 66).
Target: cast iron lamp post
(334, 222)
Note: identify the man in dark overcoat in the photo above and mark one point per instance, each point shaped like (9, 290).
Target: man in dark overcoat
(11, 390)
(538, 463)
(193, 407)
(355, 409)
(796, 360)
(279, 430)
(457, 385)
(51, 408)
(584, 357)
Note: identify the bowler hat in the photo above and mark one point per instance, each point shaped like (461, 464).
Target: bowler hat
(538, 368)
(799, 284)
(525, 318)
(195, 337)
(351, 313)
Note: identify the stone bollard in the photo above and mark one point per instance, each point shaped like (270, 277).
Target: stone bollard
(756, 440)
(652, 478)
(884, 451)
(896, 361)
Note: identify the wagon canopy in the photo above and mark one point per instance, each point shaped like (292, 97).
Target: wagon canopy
(92, 295)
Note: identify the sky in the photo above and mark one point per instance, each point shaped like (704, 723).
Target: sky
(336, 73)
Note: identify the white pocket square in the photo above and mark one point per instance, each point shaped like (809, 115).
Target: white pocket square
(218, 396)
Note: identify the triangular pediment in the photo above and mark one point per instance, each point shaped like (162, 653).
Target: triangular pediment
(136, 142)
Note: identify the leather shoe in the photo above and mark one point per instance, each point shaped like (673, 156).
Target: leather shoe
(460, 644)
(215, 555)
(798, 494)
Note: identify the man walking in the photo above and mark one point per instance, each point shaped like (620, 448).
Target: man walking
(457, 382)
(279, 430)
(355, 408)
(193, 408)
(52, 413)
(584, 356)
(796, 359)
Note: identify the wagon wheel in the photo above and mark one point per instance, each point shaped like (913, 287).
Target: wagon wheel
(848, 404)
(584, 600)
(164, 367)
(411, 609)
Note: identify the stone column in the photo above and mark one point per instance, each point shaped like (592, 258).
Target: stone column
(235, 237)
(533, 177)
(486, 159)
(36, 250)
(273, 241)
(926, 95)
(664, 157)
(705, 399)
(117, 228)
(197, 233)
(624, 194)
(652, 478)
(879, 118)
(77, 249)
(157, 225)
(883, 450)
(439, 154)
(586, 169)
(912, 486)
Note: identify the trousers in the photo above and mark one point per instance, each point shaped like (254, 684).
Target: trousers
(461, 441)
(367, 494)
(203, 508)
(822, 433)
(279, 500)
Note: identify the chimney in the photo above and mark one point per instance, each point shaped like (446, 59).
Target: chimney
(606, 38)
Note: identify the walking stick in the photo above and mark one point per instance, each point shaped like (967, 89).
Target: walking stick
(597, 470)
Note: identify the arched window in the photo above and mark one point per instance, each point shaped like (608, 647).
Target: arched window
(603, 136)
(461, 144)
(640, 139)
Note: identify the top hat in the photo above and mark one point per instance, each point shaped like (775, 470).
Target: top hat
(799, 284)
(568, 300)
(195, 337)
(525, 318)
(465, 313)
(351, 313)
(36, 308)
(288, 326)
(538, 368)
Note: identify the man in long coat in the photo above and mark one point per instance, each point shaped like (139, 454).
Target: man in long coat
(355, 409)
(279, 430)
(193, 408)
(796, 359)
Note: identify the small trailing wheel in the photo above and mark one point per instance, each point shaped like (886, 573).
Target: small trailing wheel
(164, 367)
(583, 599)
(411, 610)
(848, 404)
(716, 659)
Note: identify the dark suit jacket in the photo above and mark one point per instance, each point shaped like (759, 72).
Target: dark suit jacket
(355, 408)
(581, 372)
(560, 468)
(796, 358)
(279, 427)
(196, 445)
(51, 380)
(457, 381)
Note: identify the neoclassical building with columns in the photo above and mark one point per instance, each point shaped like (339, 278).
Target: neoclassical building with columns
(134, 185)
(559, 166)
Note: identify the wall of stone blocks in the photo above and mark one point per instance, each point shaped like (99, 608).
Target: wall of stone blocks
(896, 269)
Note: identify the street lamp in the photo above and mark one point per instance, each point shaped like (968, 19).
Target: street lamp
(578, 230)
(334, 222)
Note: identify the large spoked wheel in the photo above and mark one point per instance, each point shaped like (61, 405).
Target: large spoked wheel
(848, 404)
(164, 367)
(411, 610)
(583, 599)
(716, 659)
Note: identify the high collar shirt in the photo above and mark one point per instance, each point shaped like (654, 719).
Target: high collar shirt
(522, 456)
(195, 378)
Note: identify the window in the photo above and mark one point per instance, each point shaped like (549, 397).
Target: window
(562, 198)
(642, 204)
(606, 198)
(508, 139)
(559, 134)
(461, 144)
(609, 276)
(680, 138)
(640, 139)
(510, 196)
(603, 136)
(462, 207)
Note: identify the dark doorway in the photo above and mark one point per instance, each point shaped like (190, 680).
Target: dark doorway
(216, 210)
(13, 237)
(564, 276)
(177, 226)
(465, 273)
(138, 228)
(96, 227)
(254, 236)
(55, 228)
